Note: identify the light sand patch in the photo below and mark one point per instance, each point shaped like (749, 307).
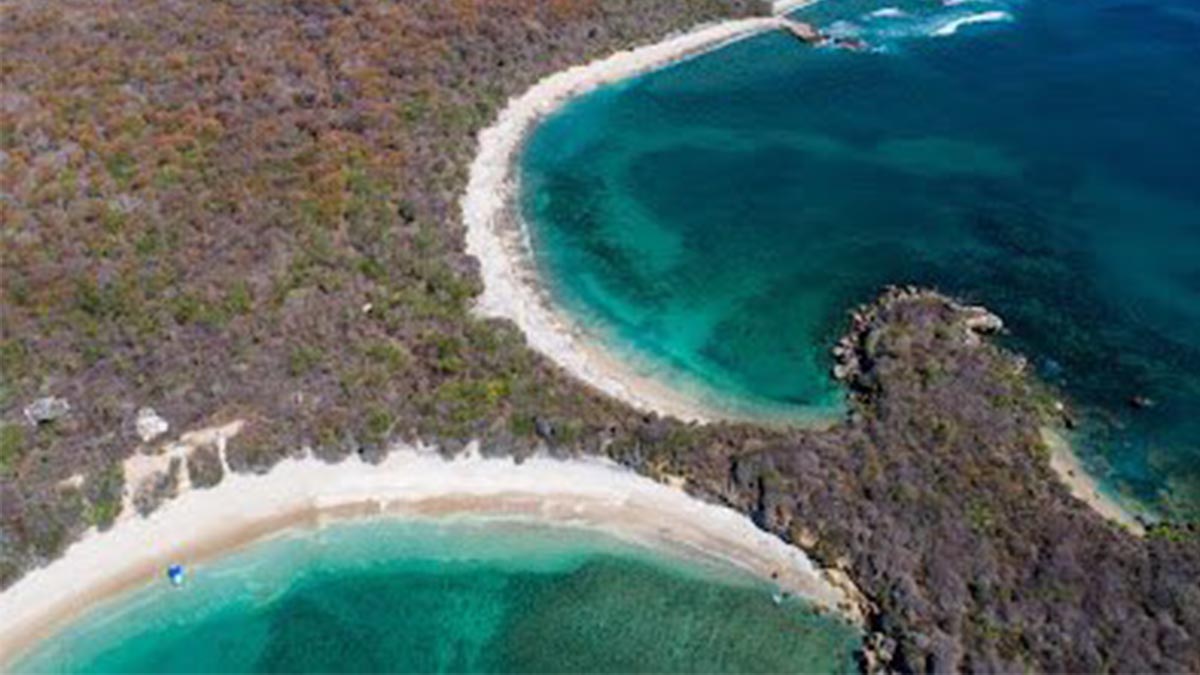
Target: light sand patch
(144, 467)
(1083, 485)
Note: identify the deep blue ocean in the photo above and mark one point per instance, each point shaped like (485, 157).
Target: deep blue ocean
(388, 595)
(715, 220)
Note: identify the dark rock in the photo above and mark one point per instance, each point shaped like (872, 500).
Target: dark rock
(544, 428)
(1139, 402)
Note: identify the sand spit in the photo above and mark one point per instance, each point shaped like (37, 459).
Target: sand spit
(589, 493)
(497, 236)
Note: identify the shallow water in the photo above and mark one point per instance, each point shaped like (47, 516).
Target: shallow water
(392, 595)
(719, 217)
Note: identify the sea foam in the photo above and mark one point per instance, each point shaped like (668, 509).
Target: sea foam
(951, 27)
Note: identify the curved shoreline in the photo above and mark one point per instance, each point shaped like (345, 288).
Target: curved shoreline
(1084, 486)
(497, 236)
(298, 493)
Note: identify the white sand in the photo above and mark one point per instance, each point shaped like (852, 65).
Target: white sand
(499, 239)
(590, 493)
(1083, 486)
(781, 7)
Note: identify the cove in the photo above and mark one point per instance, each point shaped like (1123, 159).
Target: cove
(718, 217)
(466, 594)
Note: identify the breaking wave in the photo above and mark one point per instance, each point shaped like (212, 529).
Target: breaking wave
(951, 27)
(884, 26)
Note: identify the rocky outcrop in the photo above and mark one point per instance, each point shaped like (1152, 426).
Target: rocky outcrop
(47, 410)
(801, 30)
(150, 425)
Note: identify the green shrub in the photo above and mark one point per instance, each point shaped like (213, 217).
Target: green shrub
(12, 447)
(238, 299)
(304, 359)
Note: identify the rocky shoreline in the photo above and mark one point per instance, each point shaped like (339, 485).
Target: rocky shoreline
(851, 354)
(938, 497)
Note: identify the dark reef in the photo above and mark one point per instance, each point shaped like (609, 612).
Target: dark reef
(250, 210)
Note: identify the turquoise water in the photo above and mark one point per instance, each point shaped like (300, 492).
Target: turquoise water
(719, 217)
(434, 596)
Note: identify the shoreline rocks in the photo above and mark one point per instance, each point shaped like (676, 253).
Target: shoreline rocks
(853, 351)
(803, 31)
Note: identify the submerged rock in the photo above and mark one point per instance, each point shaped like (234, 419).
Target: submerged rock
(1141, 402)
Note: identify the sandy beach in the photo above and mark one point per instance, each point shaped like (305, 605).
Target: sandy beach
(499, 239)
(589, 493)
(1083, 485)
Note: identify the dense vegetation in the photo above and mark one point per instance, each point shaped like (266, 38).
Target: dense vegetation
(936, 496)
(248, 210)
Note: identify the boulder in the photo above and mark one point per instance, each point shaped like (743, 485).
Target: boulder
(544, 428)
(47, 410)
(150, 425)
(982, 321)
(1140, 402)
